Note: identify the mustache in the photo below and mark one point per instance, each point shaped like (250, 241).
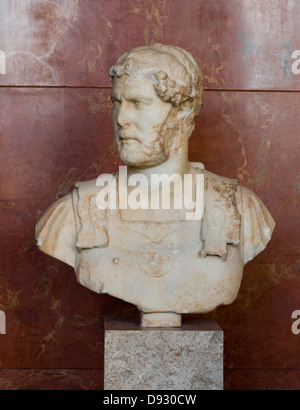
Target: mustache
(147, 145)
(122, 136)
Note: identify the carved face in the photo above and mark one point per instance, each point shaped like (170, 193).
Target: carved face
(138, 116)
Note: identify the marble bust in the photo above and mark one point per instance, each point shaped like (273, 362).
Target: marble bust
(155, 257)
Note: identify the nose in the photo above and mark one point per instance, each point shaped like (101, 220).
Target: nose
(122, 116)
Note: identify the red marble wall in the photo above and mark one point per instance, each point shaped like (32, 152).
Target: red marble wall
(56, 129)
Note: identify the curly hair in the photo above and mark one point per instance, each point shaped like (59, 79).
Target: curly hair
(174, 73)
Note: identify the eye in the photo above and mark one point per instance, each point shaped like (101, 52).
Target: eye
(138, 103)
(116, 103)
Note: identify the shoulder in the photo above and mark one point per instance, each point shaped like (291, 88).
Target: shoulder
(235, 215)
(56, 231)
(69, 224)
(257, 224)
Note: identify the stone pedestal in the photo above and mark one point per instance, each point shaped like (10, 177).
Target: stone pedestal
(185, 358)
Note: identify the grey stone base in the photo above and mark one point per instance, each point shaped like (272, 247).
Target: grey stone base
(186, 358)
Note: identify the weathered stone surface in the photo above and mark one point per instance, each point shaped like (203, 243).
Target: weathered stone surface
(50, 138)
(163, 258)
(186, 358)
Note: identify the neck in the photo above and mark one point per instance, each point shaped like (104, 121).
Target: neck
(177, 164)
(166, 191)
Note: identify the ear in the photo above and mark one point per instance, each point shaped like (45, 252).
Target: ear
(186, 117)
(199, 109)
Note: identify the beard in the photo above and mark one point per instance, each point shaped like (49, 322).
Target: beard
(137, 154)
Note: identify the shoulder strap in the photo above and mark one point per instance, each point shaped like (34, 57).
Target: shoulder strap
(222, 221)
(91, 222)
